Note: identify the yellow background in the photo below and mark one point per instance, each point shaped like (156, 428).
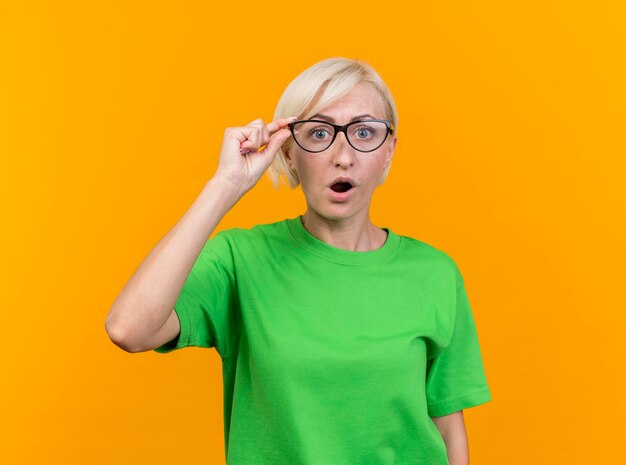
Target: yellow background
(510, 159)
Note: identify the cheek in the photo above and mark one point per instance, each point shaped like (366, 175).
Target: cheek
(305, 166)
(375, 168)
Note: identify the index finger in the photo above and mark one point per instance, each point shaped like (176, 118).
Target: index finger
(280, 123)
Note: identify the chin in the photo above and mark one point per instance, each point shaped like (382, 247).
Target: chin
(335, 212)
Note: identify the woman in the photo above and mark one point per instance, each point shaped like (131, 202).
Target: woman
(341, 342)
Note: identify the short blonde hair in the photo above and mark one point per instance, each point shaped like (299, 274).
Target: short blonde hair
(317, 87)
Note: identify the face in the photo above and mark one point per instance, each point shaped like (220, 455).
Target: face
(317, 171)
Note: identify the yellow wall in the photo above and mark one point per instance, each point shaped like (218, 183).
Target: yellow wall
(510, 159)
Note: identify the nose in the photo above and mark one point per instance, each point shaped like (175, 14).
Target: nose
(342, 152)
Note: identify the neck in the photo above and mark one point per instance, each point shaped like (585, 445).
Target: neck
(356, 233)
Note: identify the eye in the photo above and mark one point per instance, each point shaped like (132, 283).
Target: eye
(363, 132)
(317, 131)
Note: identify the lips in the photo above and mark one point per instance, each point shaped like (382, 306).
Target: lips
(342, 184)
(341, 189)
(340, 196)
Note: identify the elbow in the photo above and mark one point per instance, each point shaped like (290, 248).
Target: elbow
(119, 336)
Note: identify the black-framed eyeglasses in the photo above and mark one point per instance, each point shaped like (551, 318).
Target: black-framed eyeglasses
(316, 136)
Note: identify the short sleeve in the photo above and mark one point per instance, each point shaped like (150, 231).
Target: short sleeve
(206, 303)
(455, 379)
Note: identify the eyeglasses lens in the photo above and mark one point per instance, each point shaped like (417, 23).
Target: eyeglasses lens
(316, 137)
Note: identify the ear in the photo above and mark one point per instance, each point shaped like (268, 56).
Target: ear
(390, 151)
(287, 155)
(388, 158)
(288, 159)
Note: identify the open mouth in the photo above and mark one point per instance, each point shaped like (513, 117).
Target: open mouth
(341, 186)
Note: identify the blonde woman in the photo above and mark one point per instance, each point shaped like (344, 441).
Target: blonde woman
(341, 342)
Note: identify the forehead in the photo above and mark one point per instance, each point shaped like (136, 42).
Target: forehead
(361, 99)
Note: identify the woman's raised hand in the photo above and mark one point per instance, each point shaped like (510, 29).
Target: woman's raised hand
(241, 164)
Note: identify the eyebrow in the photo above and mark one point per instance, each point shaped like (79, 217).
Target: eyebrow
(332, 120)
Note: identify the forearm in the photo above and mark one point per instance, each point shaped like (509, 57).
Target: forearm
(457, 449)
(452, 430)
(146, 301)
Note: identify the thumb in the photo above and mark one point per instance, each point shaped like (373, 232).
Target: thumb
(275, 142)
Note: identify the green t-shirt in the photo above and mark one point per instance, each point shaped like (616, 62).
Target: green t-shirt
(332, 356)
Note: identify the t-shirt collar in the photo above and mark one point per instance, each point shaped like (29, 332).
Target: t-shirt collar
(347, 257)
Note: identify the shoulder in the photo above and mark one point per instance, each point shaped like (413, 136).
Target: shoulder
(435, 258)
(254, 238)
(256, 232)
(237, 245)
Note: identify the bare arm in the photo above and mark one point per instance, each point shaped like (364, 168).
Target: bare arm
(452, 429)
(142, 317)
